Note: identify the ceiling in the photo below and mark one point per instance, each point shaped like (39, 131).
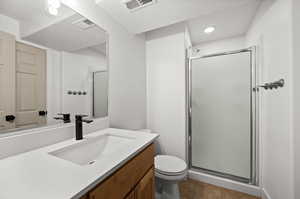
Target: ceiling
(228, 23)
(32, 16)
(230, 17)
(56, 32)
(66, 36)
(167, 12)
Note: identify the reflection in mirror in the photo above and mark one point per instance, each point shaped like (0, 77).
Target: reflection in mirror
(50, 66)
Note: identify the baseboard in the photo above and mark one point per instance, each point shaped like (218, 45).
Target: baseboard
(226, 183)
(264, 194)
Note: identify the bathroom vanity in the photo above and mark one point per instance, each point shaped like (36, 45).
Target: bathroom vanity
(111, 163)
(135, 180)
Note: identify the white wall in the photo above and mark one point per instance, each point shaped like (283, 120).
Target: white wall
(296, 101)
(77, 69)
(127, 71)
(220, 46)
(9, 25)
(94, 56)
(165, 58)
(272, 32)
(54, 85)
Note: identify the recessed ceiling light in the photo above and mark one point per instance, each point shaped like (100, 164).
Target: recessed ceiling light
(209, 29)
(53, 6)
(53, 11)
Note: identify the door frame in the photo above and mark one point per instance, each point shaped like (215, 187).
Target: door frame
(254, 117)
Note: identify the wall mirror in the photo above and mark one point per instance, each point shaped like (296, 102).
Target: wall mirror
(53, 61)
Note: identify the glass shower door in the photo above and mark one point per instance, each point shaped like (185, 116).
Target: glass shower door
(220, 117)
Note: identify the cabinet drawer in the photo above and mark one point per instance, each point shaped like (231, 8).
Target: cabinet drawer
(125, 179)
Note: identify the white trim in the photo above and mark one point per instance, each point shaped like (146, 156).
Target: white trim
(226, 183)
(265, 194)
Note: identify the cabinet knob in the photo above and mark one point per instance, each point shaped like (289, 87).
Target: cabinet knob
(43, 113)
(10, 118)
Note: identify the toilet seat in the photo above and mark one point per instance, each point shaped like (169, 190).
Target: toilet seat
(169, 166)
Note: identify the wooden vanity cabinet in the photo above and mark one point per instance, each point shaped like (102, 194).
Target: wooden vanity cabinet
(131, 195)
(145, 188)
(135, 180)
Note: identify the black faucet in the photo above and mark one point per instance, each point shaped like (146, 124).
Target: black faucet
(78, 125)
(65, 117)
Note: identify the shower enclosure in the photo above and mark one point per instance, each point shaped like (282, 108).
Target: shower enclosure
(222, 115)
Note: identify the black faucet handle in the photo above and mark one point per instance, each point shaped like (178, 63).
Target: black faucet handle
(81, 116)
(65, 118)
(87, 121)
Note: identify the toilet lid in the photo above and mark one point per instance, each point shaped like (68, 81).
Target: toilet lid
(169, 165)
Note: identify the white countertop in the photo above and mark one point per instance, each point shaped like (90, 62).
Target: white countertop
(39, 175)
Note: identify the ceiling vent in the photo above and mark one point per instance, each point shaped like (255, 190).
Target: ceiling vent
(83, 23)
(134, 5)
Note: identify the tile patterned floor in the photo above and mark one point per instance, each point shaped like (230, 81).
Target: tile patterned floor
(191, 189)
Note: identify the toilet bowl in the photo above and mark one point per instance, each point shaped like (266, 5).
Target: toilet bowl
(169, 170)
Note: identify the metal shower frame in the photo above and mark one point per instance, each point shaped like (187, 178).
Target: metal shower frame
(254, 117)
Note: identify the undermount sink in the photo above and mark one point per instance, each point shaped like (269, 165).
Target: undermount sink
(92, 149)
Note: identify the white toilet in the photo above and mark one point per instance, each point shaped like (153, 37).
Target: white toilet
(169, 170)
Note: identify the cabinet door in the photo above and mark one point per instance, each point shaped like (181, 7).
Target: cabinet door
(145, 188)
(31, 85)
(131, 195)
(85, 197)
(7, 79)
(125, 179)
